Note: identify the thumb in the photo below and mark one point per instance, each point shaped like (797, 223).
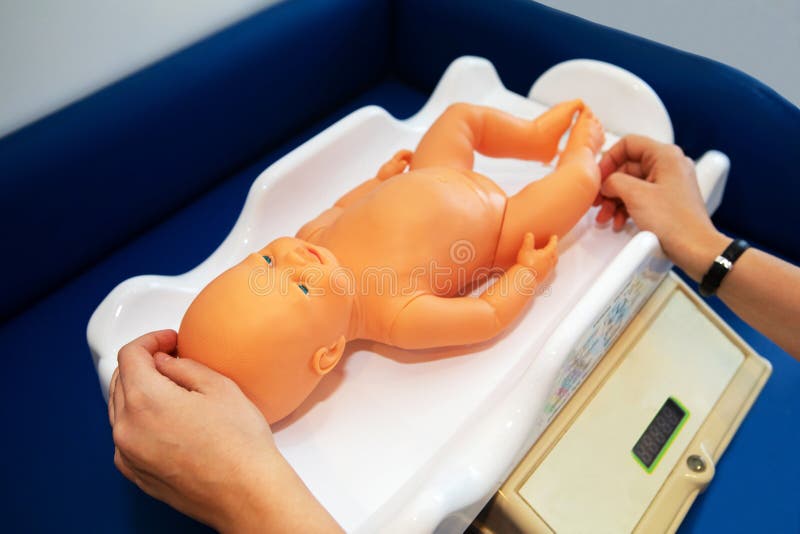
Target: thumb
(527, 241)
(189, 374)
(623, 186)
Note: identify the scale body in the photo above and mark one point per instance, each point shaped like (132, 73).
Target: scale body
(639, 439)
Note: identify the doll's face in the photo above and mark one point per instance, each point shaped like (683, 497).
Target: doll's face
(274, 323)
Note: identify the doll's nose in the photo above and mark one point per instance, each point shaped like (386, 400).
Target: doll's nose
(305, 256)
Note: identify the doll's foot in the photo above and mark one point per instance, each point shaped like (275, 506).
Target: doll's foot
(551, 125)
(587, 132)
(540, 260)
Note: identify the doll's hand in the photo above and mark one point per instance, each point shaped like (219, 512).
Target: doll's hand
(656, 185)
(396, 165)
(188, 436)
(541, 260)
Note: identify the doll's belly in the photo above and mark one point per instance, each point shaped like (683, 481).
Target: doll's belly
(432, 229)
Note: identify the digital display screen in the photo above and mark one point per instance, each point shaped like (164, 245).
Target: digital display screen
(659, 434)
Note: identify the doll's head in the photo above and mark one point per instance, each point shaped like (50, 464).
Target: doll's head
(275, 324)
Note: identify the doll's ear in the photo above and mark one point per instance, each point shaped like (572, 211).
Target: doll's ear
(326, 358)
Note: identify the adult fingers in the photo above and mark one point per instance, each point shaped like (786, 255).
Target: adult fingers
(632, 168)
(608, 166)
(122, 466)
(119, 401)
(606, 212)
(629, 148)
(136, 365)
(527, 241)
(623, 186)
(187, 373)
(152, 342)
(111, 388)
(620, 217)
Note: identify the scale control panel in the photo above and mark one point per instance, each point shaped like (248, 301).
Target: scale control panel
(638, 440)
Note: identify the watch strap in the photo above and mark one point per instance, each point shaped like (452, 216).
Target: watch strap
(722, 266)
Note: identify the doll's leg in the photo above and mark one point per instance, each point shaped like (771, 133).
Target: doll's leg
(465, 128)
(554, 204)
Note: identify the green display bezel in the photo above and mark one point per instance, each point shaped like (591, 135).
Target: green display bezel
(667, 445)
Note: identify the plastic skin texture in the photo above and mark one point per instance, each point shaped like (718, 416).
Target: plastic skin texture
(394, 260)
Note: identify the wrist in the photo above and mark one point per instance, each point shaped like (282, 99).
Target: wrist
(273, 498)
(697, 252)
(253, 499)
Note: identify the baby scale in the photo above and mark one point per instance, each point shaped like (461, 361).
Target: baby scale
(639, 439)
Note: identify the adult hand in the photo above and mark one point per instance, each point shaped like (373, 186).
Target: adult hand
(656, 185)
(188, 436)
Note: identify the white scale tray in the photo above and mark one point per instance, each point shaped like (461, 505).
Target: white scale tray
(408, 441)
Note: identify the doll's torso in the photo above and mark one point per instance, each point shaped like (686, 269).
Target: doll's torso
(428, 218)
(428, 231)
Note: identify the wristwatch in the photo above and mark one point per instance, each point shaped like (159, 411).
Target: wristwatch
(722, 265)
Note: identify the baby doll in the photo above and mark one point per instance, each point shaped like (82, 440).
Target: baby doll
(279, 320)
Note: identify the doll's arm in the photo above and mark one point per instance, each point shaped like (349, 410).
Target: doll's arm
(430, 321)
(393, 167)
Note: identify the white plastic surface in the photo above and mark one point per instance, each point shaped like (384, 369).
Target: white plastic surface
(623, 102)
(395, 440)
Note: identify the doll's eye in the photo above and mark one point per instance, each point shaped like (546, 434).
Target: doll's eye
(268, 260)
(303, 288)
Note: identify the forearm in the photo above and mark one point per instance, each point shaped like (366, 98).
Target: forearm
(430, 321)
(762, 289)
(510, 293)
(273, 498)
(765, 292)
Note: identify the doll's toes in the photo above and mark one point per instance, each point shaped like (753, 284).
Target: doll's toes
(572, 105)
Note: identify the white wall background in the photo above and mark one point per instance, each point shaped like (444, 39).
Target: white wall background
(760, 37)
(53, 52)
